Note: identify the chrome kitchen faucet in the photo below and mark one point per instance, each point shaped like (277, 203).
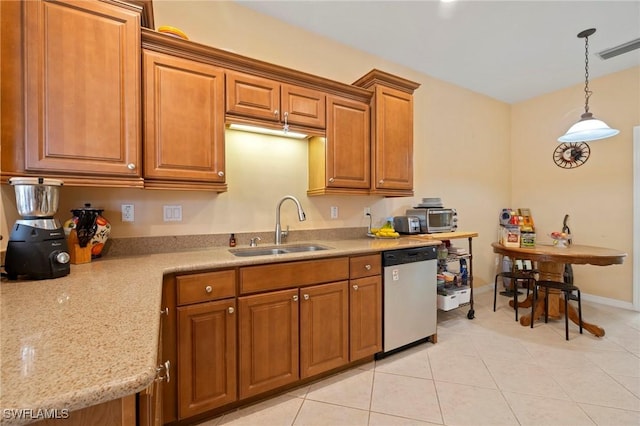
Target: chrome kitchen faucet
(301, 217)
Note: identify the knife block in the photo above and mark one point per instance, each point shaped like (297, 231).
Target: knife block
(78, 254)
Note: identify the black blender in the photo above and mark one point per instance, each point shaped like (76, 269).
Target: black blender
(37, 248)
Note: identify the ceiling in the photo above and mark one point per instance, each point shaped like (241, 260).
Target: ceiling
(508, 50)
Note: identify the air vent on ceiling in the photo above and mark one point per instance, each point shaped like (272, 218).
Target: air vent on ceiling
(619, 50)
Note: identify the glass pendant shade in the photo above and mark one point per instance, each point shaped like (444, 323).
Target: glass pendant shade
(588, 129)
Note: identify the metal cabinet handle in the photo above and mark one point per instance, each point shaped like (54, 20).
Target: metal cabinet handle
(163, 367)
(208, 289)
(367, 267)
(355, 287)
(306, 297)
(164, 311)
(276, 112)
(231, 310)
(220, 173)
(381, 181)
(295, 298)
(331, 180)
(131, 166)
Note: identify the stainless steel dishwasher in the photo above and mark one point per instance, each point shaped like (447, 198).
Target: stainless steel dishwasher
(410, 296)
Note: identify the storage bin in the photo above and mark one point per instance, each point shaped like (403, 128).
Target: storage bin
(447, 302)
(463, 294)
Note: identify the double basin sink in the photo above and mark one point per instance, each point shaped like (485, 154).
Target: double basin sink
(273, 250)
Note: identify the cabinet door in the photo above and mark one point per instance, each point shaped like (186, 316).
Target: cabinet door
(324, 328)
(304, 106)
(184, 119)
(268, 339)
(348, 144)
(206, 356)
(366, 316)
(393, 147)
(82, 98)
(253, 97)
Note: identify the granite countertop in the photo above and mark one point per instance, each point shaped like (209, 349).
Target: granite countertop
(92, 336)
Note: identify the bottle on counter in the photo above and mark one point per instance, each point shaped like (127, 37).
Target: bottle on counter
(232, 240)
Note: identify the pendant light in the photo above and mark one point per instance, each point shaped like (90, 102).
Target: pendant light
(588, 128)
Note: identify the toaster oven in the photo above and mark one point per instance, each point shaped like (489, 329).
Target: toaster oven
(435, 220)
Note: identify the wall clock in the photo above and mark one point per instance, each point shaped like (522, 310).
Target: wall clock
(570, 155)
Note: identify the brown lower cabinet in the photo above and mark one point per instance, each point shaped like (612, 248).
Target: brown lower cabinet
(206, 356)
(292, 334)
(268, 341)
(291, 321)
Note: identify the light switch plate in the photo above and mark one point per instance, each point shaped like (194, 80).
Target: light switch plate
(172, 213)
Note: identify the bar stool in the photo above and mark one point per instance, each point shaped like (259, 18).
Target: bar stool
(568, 290)
(515, 276)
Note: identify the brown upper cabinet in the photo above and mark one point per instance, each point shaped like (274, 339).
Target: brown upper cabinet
(81, 92)
(183, 123)
(392, 133)
(339, 163)
(268, 100)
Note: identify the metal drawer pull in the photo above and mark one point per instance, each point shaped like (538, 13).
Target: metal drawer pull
(367, 267)
(131, 166)
(355, 287)
(231, 310)
(306, 297)
(165, 311)
(208, 289)
(295, 298)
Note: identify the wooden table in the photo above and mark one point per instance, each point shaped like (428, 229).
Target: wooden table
(551, 260)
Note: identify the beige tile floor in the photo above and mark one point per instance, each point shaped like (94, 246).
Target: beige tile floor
(487, 371)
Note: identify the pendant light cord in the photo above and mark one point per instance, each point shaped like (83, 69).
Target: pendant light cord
(587, 92)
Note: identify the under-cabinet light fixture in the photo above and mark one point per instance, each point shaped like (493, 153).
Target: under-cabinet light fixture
(588, 128)
(267, 131)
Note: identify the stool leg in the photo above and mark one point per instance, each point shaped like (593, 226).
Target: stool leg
(515, 297)
(528, 286)
(495, 292)
(533, 305)
(566, 315)
(580, 310)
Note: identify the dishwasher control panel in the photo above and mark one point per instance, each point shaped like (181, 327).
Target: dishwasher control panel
(408, 255)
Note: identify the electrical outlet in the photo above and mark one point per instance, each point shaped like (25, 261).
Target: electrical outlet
(367, 211)
(334, 212)
(128, 213)
(172, 213)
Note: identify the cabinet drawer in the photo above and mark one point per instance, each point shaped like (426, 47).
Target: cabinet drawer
(294, 274)
(206, 286)
(252, 96)
(365, 266)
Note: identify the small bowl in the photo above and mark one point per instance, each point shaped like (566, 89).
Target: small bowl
(172, 31)
(560, 242)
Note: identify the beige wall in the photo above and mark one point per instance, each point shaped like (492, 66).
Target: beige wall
(469, 150)
(597, 195)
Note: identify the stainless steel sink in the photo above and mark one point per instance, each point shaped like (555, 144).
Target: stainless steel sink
(305, 247)
(274, 250)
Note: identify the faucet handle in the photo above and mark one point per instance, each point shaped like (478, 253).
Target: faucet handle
(254, 241)
(285, 234)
